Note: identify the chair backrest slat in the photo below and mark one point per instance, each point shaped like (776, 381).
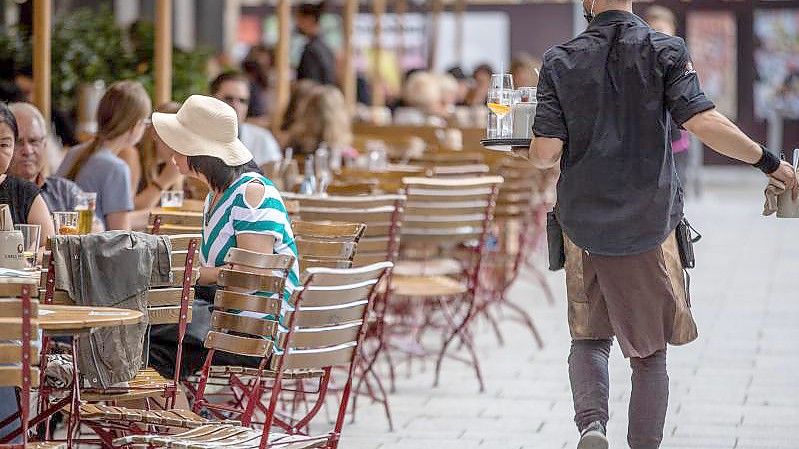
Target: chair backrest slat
(180, 242)
(253, 347)
(11, 352)
(181, 218)
(12, 307)
(328, 230)
(329, 316)
(227, 300)
(167, 315)
(11, 376)
(335, 250)
(250, 281)
(238, 256)
(321, 338)
(242, 324)
(318, 359)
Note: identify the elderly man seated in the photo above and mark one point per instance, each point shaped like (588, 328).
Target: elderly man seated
(30, 159)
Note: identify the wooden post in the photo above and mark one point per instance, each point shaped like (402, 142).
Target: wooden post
(349, 81)
(460, 10)
(400, 8)
(437, 9)
(163, 52)
(282, 64)
(378, 91)
(42, 20)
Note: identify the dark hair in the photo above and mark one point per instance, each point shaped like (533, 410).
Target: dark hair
(457, 73)
(484, 68)
(231, 75)
(219, 174)
(8, 118)
(313, 10)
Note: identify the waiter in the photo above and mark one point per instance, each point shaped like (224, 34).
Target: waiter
(604, 100)
(317, 63)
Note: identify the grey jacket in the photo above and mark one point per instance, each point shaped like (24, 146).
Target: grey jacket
(112, 269)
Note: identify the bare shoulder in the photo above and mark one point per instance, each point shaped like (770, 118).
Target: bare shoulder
(254, 193)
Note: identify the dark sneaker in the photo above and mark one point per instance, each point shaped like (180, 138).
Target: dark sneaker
(593, 437)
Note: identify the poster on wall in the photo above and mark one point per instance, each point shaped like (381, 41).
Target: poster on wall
(712, 38)
(777, 63)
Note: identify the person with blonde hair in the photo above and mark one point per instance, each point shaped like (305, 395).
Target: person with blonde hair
(423, 100)
(122, 117)
(151, 168)
(322, 117)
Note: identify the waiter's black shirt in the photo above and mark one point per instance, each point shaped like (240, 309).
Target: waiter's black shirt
(317, 62)
(608, 94)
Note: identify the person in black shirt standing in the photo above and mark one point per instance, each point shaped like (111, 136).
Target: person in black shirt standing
(317, 63)
(604, 100)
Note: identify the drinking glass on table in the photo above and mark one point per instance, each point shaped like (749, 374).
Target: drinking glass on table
(31, 235)
(500, 103)
(87, 203)
(66, 223)
(172, 200)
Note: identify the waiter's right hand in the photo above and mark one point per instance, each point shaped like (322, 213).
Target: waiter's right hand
(787, 176)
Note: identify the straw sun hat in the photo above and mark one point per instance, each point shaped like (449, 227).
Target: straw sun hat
(203, 126)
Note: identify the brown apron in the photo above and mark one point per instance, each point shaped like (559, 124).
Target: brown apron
(641, 298)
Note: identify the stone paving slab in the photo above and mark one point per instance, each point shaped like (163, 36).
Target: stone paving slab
(735, 388)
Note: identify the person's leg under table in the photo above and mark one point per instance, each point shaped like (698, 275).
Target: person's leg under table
(648, 401)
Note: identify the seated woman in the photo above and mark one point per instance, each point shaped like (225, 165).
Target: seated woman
(23, 197)
(322, 117)
(27, 207)
(243, 210)
(122, 117)
(151, 168)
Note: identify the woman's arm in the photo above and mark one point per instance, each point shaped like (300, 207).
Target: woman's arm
(151, 195)
(118, 221)
(40, 215)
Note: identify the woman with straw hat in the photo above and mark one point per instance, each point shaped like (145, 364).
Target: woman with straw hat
(243, 209)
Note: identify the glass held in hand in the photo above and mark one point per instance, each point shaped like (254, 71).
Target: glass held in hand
(31, 237)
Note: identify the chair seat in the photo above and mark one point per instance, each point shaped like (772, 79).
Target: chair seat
(431, 267)
(224, 435)
(147, 384)
(220, 371)
(169, 418)
(426, 286)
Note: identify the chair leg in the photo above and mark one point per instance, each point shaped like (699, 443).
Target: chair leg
(458, 330)
(527, 320)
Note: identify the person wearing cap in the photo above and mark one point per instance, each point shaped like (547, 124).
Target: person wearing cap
(606, 100)
(243, 210)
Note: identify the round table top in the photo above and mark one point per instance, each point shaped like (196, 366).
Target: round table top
(81, 318)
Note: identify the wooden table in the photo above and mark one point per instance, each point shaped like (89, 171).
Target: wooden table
(63, 319)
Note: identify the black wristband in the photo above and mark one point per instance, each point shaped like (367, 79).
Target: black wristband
(768, 163)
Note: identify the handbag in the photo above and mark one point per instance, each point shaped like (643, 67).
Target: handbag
(555, 243)
(685, 243)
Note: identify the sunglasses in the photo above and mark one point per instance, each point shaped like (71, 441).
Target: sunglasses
(230, 99)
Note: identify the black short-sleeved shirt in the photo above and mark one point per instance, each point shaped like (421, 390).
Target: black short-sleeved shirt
(19, 194)
(609, 94)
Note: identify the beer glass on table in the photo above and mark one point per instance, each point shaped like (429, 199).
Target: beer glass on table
(66, 223)
(172, 200)
(87, 203)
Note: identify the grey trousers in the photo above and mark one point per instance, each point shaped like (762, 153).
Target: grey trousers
(588, 373)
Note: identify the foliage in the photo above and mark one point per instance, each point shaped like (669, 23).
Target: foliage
(88, 45)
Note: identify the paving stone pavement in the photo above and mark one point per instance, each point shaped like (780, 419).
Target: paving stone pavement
(736, 387)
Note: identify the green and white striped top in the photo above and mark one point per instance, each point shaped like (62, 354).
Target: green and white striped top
(232, 216)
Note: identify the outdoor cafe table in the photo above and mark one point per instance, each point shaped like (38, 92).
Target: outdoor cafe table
(68, 320)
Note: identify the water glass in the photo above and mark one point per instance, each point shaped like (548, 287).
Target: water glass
(172, 200)
(66, 223)
(31, 237)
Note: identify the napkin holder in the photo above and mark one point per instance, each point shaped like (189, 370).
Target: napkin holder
(10, 241)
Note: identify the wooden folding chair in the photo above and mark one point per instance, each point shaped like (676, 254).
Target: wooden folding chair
(168, 304)
(444, 234)
(325, 330)
(175, 222)
(382, 215)
(19, 355)
(325, 243)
